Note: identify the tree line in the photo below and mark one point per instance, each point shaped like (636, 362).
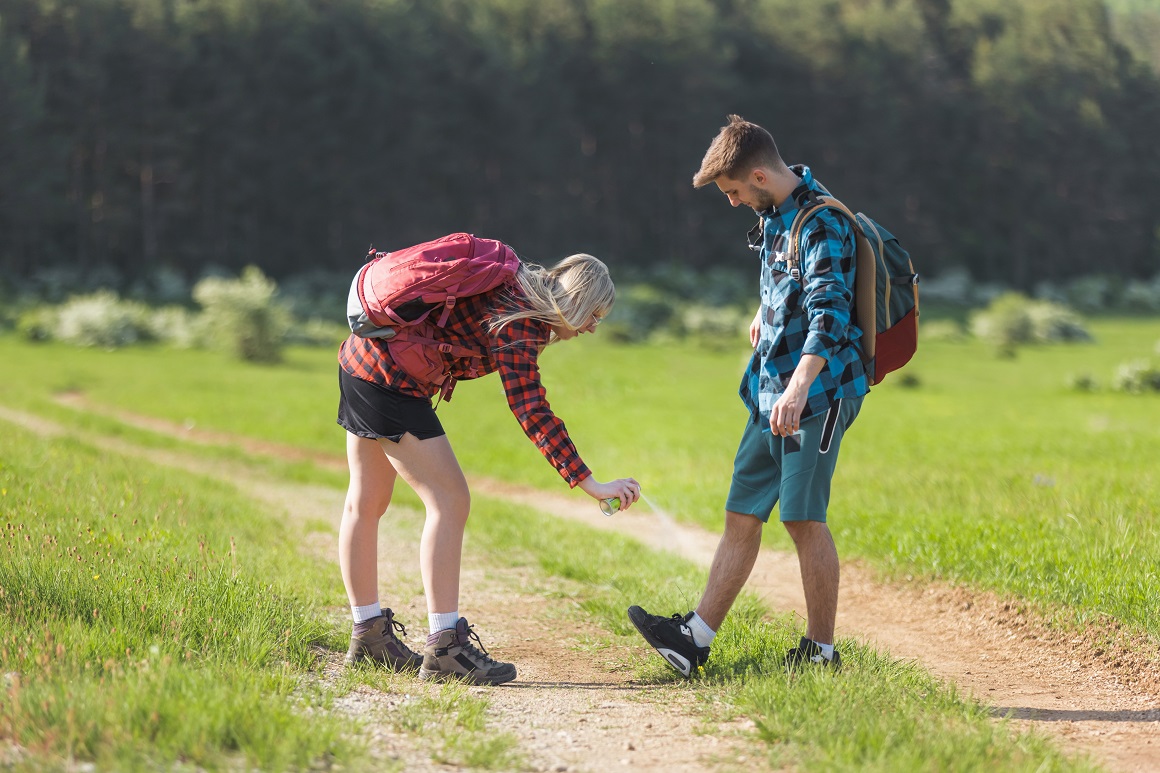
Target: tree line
(1015, 139)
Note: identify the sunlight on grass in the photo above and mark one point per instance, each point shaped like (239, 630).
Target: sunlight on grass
(150, 617)
(877, 714)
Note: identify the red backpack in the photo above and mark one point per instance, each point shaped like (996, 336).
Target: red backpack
(393, 296)
(401, 288)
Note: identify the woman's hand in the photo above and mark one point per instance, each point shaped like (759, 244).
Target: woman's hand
(627, 489)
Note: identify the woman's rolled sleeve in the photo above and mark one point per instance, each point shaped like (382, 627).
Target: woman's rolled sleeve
(518, 348)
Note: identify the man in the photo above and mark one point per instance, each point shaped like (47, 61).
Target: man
(804, 386)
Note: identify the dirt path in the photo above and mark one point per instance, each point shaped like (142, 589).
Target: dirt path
(570, 709)
(1099, 696)
(1106, 703)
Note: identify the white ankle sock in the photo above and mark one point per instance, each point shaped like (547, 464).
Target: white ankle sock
(827, 650)
(366, 612)
(703, 635)
(441, 621)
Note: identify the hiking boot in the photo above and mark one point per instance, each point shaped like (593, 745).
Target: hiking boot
(808, 652)
(449, 654)
(672, 638)
(381, 645)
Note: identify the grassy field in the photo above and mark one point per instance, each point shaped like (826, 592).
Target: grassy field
(879, 714)
(990, 472)
(153, 618)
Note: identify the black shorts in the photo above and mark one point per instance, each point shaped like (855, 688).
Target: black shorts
(372, 411)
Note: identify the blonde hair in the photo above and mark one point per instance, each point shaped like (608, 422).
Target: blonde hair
(567, 295)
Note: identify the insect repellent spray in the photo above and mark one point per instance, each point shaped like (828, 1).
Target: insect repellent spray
(610, 505)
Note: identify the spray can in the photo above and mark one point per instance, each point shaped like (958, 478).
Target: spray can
(610, 505)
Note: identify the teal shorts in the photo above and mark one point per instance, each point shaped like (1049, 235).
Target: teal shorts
(794, 470)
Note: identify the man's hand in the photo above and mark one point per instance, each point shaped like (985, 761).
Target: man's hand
(786, 416)
(755, 329)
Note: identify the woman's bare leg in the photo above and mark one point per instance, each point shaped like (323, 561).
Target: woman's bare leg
(372, 480)
(430, 467)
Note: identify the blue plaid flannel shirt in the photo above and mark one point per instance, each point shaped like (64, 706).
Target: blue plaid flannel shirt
(810, 316)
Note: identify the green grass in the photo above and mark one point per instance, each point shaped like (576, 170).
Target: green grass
(878, 714)
(455, 722)
(207, 697)
(153, 618)
(989, 473)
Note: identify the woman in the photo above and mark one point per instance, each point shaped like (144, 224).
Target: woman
(393, 430)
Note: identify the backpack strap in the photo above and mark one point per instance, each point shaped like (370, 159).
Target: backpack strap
(865, 306)
(815, 204)
(448, 305)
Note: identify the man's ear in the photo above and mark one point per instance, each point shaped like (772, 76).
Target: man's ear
(759, 177)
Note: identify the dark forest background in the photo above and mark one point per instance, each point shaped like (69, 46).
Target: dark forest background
(1018, 139)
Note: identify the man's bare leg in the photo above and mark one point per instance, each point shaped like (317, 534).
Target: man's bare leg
(732, 564)
(818, 558)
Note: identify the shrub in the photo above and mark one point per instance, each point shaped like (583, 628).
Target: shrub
(1053, 323)
(36, 324)
(1142, 296)
(1005, 323)
(317, 332)
(319, 294)
(101, 319)
(177, 326)
(715, 322)
(242, 315)
(941, 330)
(162, 285)
(640, 311)
(954, 287)
(1137, 377)
(1093, 293)
(1013, 319)
(909, 380)
(1082, 382)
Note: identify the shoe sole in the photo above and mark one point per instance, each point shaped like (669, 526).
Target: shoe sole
(469, 678)
(399, 668)
(675, 660)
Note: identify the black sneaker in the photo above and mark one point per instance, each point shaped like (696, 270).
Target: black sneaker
(672, 638)
(380, 644)
(808, 652)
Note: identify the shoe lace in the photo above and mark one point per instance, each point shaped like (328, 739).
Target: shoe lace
(479, 651)
(394, 625)
(680, 622)
(402, 629)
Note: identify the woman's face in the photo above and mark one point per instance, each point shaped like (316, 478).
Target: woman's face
(565, 333)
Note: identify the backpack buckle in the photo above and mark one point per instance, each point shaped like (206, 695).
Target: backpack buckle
(448, 305)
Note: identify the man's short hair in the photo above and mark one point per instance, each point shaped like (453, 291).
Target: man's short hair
(738, 149)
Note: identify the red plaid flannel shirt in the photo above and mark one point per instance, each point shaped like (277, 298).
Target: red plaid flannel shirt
(512, 351)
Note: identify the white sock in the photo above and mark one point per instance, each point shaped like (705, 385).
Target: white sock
(827, 650)
(366, 612)
(703, 635)
(441, 621)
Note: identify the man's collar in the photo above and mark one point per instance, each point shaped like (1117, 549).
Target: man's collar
(798, 197)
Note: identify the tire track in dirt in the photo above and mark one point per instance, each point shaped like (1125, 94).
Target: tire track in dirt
(1097, 692)
(570, 709)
